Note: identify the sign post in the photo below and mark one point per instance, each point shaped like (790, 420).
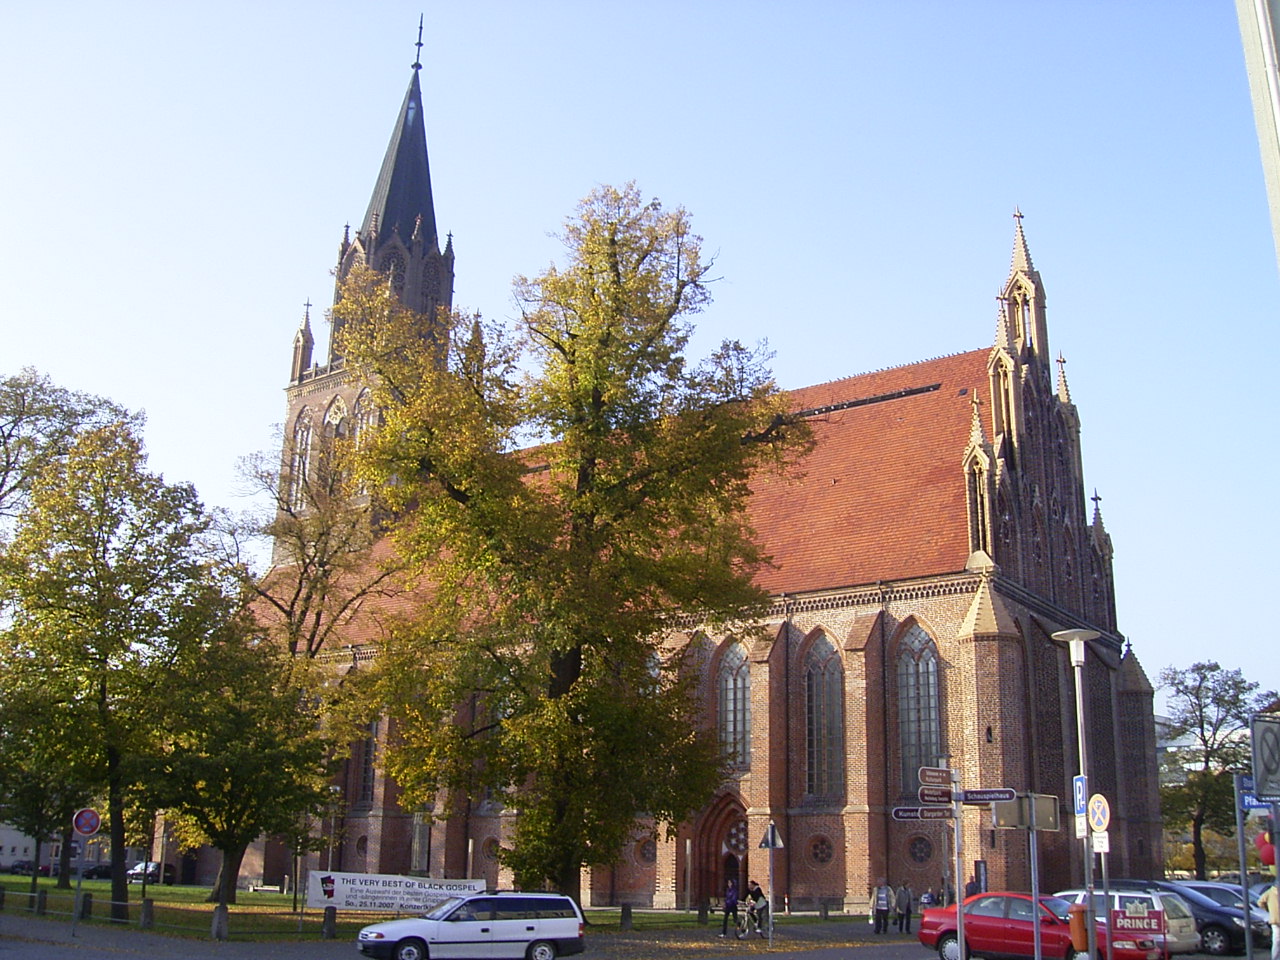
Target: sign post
(771, 842)
(85, 823)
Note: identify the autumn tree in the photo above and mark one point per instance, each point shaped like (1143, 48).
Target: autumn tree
(111, 594)
(39, 422)
(244, 752)
(566, 518)
(1210, 708)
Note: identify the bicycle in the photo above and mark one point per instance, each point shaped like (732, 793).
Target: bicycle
(752, 921)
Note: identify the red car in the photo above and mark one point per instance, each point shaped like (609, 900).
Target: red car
(998, 925)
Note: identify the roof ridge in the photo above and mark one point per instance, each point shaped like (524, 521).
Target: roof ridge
(888, 369)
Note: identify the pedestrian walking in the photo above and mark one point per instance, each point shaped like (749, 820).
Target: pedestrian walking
(902, 903)
(881, 904)
(1270, 900)
(730, 907)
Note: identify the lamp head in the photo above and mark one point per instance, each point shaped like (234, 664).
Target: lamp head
(1075, 639)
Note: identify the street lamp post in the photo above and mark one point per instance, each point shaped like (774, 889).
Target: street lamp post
(1076, 641)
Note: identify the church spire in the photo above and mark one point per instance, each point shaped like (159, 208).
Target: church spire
(303, 342)
(402, 193)
(1023, 304)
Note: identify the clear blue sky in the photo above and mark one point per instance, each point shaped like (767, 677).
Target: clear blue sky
(174, 180)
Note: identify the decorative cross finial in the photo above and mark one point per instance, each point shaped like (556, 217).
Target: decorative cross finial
(1017, 214)
(307, 308)
(417, 60)
(1097, 500)
(1061, 362)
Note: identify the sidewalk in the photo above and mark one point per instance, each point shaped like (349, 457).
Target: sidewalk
(23, 936)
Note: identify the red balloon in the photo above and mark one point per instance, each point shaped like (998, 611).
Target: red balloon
(1267, 854)
(1261, 839)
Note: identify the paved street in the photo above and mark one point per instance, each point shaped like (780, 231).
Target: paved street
(23, 937)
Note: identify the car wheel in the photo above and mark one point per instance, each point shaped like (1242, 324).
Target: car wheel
(949, 948)
(542, 950)
(410, 949)
(1215, 940)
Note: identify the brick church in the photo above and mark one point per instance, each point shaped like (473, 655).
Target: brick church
(938, 536)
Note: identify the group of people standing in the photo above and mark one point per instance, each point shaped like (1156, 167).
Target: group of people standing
(901, 902)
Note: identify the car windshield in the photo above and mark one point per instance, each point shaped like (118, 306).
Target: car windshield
(440, 909)
(1056, 905)
(1228, 898)
(1174, 907)
(1198, 898)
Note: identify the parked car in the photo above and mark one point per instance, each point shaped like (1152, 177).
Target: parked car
(23, 868)
(96, 871)
(1003, 925)
(537, 926)
(1180, 933)
(1226, 894)
(152, 871)
(1221, 928)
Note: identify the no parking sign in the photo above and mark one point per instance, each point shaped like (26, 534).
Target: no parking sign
(86, 822)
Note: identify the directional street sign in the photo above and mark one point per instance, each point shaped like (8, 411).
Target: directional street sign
(935, 776)
(1099, 813)
(1079, 790)
(922, 813)
(1248, 796)
(935, 794)
(987, 796)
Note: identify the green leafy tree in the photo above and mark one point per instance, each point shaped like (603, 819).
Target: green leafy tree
(112, 594)
(539, 671)
(1210, 708)
(244, 753)
(43, 771)
(38, 424)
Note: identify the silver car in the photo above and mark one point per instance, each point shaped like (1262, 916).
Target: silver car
(1180, 934)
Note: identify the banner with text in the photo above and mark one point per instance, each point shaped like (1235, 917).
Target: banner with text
(383, 891)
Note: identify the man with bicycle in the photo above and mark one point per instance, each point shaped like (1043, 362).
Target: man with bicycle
(758, 907)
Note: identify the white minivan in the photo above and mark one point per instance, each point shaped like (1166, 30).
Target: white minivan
(510, 925)
(1180, 934)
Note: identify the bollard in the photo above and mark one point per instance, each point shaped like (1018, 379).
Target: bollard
(148, 918)
(42, 902)
(703, 910)
(329, 926)
(86, 907)
(1, 899)
(625, 922)
(219, 927)
(786, 904)
(823, 910)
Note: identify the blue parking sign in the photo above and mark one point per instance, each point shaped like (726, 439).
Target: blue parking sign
(1080, 791)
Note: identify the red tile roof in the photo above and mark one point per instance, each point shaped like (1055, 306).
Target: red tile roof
(882, 495)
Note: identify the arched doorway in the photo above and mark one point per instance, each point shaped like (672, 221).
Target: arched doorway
(720, 849)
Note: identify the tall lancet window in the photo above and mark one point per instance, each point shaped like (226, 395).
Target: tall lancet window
(919, 709)
(824, 720)
(979, 519)
(299, 462)
(734, 704)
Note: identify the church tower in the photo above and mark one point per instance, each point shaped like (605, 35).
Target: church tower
(398, 236)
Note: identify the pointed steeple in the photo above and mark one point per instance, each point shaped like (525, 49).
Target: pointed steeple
(1021, 255)
(1064, 392)
(1023, 303)
(976, 436)
(303, 342)
(402, 193)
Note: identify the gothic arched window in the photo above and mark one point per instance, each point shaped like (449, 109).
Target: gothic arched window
(824, 720)
(733, 687)
(919, 708)
(299, 461)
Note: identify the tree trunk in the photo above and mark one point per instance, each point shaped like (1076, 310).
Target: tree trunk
(1197, 845)
(64, 860)
(115, 818)
(224, 887)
